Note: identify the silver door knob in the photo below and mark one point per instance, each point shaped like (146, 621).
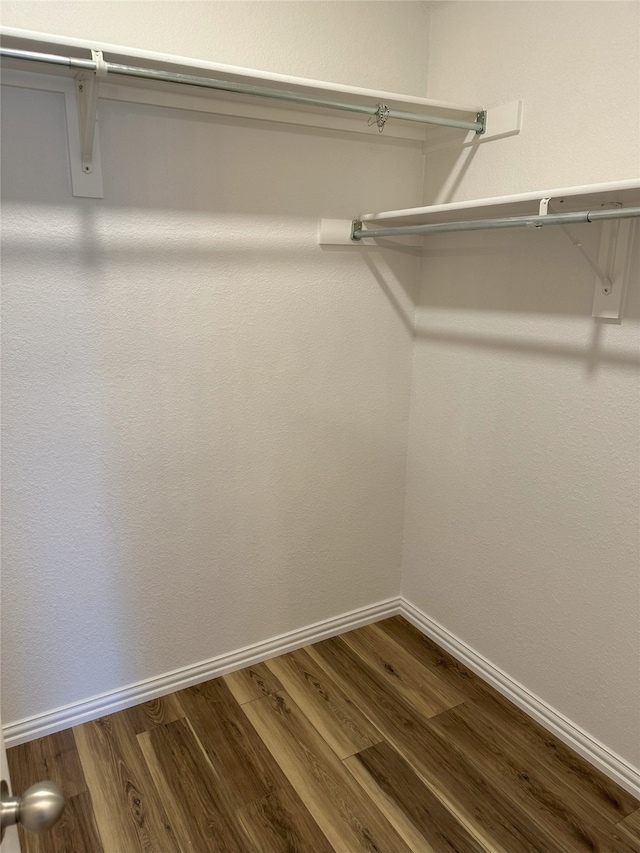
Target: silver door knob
(37, 809)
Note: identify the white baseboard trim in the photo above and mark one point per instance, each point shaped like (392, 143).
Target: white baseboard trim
(583, 743)
(596, 753)
(49, 722)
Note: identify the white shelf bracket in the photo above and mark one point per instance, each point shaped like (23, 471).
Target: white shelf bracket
(612, 268)
(87, 88)
(615, 256)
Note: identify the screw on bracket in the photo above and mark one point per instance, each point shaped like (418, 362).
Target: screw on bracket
(482, 119)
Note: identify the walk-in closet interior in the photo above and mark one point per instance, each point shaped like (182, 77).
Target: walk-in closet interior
(279, 364)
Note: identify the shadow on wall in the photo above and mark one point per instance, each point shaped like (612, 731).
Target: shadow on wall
(390, 265)
(176, 160)
(522, 270)
(483, 290)
(453, 165)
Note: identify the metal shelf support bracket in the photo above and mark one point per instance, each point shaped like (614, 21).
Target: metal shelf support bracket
(577, 244)
(613, 266)
(616, 241)
(87, 86)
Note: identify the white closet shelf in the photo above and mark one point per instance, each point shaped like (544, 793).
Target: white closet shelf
(26, 40)
(615, 204)
(565, 199)
(87, 72)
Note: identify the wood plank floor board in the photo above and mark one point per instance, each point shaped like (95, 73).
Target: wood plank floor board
(343, 812)
(624, 840)
(429, 654)
(586, 781)
(550, 806)
(126, 805)
(422, 687)
(484, 810)
(628, 831)
(632, 822)
(75, 832)
(233, 747)
(432, 656)
(596, 790)
(333, 714)
(252, 682)
(194, 796)
(54, 757)
(281, 823)
(156, 712)
(418, 815)
(540, 756)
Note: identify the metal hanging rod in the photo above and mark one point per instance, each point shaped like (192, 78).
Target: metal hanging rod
(380, 112)
(537, 221)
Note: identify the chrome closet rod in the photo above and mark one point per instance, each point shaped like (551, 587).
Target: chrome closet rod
(242, 88)
(537, 221)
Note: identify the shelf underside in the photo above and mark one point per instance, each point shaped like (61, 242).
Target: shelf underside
(588, 197)
(58, 45)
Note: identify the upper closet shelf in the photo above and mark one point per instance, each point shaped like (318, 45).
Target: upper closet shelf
(86, 72)
(117, 68)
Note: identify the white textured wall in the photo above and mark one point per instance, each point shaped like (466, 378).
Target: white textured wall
(204, 413)
(522, 495)
(371, 44)
(573, 63)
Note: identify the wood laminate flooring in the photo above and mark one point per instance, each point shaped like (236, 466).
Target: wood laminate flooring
(373, 742)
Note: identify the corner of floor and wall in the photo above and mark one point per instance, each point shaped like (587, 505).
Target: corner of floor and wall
(221, 443)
